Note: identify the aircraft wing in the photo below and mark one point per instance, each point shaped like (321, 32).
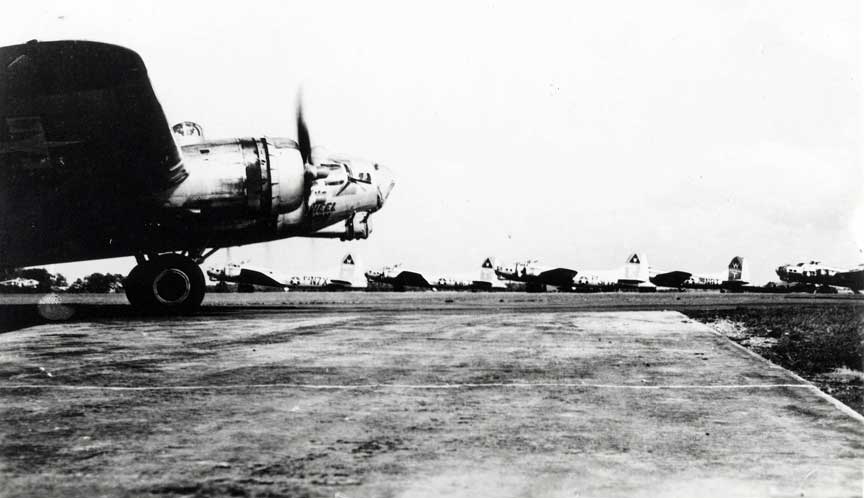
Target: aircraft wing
(560, 277)
(410, 279)
(258, 277)
(85, 109)
(340, 284)
(853, 279)
(673, 279)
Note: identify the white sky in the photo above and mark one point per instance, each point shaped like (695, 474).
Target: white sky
(569, 132)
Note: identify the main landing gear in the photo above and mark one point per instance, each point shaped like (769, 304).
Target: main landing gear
(166, 284)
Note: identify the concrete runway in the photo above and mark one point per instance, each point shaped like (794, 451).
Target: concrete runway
(515, 401)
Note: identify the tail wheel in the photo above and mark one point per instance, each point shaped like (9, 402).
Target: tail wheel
(169, 283)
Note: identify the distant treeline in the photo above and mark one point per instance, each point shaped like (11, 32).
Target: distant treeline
(46, 281)
(98, 283)
(56, 282)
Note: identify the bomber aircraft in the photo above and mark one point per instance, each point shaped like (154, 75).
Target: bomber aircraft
(397, 278)
(735, 278)
(632, 276)
(346, 279)
(89, 169)
(244, 274)
(400, 279)
(536, 276)
(247, 275)
(486, 281)
(822, 277)
(19, 283)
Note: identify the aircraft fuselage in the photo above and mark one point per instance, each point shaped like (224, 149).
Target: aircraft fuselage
(815, 273)
(238, 191)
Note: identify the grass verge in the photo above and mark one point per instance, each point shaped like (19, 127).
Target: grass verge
(823, 343)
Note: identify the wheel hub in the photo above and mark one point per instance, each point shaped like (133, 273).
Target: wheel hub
(171, 286)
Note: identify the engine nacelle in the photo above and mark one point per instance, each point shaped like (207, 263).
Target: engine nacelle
(287, 176)
(245, 178)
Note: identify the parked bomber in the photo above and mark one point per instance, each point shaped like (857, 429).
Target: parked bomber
(397, 278)
(736, 277)
(485, 281)
(400, 279)
(823, 278)
(632, 276)
(89, 169)
(20, 283)
(346, 279)
(536, 276)
(247, 275)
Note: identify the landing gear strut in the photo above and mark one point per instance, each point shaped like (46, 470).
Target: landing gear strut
(166, 283)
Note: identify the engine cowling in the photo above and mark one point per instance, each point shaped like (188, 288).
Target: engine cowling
(245, 178)
(287, 176)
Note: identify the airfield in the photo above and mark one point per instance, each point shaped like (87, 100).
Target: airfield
(418, 394)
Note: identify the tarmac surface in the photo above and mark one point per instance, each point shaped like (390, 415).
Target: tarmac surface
(410, 395)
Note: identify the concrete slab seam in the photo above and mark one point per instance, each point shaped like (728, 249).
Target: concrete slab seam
(348, 387)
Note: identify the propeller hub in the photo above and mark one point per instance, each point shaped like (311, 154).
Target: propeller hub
(317, 172)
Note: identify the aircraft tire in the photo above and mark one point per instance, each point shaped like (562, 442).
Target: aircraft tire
(168, 284)
(134, 285)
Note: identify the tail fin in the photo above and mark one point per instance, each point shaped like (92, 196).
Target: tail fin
(636, 268)
(348, 271)
(487, 270)
(738, 271)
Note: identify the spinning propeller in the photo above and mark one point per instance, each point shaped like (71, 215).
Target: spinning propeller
(303, 141)
(304, 145)
(315, 171)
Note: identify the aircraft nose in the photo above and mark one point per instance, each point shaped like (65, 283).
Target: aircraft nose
(386, 181)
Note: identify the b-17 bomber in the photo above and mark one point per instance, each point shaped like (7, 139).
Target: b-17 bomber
(90, 169)
(822, 278)
(735, 278)
(399, 278)
(247, 275)
(633, 275)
